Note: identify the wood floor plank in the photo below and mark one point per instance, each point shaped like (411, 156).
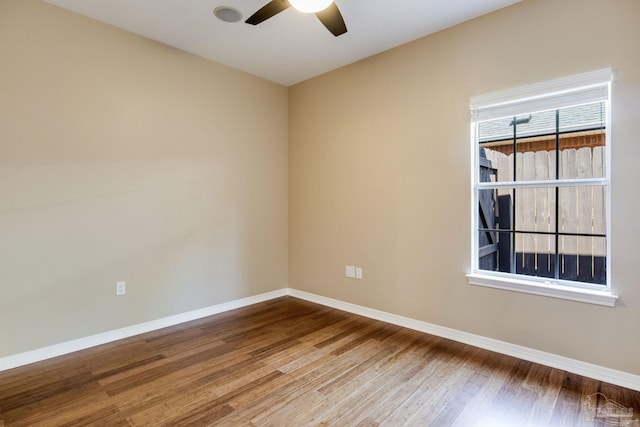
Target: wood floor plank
(444, 403)
(384, 381)
(306, 402)
(429, 363)
(57, 410)
(547, 381)
(422, 391)
(306, 372)
(289, 388)
(498, 369)
(306, 396)
(336, 392)
(288, 362)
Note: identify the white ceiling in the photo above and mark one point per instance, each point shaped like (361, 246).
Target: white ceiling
(291, 46)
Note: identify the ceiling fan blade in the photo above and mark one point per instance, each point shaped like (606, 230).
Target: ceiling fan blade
(267, 11)
(332, 19)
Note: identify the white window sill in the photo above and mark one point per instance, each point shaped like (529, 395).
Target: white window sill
(600, 297)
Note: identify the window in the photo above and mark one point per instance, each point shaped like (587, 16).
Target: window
(541, 189)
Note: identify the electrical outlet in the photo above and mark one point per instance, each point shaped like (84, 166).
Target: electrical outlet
(351, 271)
(358, 273)
(121, 288)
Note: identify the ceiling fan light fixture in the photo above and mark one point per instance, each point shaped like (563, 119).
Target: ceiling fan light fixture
(310, 6)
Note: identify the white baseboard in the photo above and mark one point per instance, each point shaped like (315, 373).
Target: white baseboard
(578, 367)
(44, 353)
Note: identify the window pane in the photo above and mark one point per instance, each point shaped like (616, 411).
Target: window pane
(582, 210)
(535, 146)
(582, 153)
(496, 145)
(535, 124)
(583, 259)
(495, 245)
(494, 251)
(495, 130)
(495, 166)
(584, 162)
(583, 118)
(488, 164)
(495, 209)
(535, 209)
(535, 255)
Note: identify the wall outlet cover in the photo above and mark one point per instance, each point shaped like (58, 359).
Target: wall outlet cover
(351, 271)
(121, 288)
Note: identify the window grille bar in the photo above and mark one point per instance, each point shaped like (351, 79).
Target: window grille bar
(557, 213)
(542, 233)
(514, 261)
(571, 182)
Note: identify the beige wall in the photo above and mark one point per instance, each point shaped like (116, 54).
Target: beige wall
(379, 175)
(124, 159)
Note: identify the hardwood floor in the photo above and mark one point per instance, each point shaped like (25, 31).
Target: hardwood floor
(288, 362)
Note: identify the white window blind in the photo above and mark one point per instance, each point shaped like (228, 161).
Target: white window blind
(575, 90)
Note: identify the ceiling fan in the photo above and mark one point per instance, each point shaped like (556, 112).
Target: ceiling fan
(326, 11)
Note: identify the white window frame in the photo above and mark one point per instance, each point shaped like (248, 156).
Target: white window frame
(567, 91)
